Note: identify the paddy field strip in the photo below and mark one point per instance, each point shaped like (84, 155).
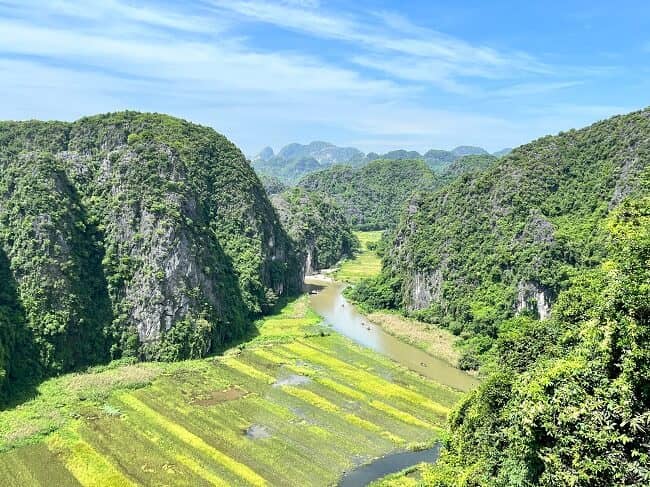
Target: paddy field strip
(294, 406)
(365, 264)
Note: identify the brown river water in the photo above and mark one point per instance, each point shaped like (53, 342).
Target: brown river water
(345, 319)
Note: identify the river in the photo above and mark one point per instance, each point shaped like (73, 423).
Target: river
(330, 303)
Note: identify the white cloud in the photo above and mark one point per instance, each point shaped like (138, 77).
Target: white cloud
(393, 35)
(65, 59)
(524, 89)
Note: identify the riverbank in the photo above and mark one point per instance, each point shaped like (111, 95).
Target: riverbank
(330, 303)
(433, 340)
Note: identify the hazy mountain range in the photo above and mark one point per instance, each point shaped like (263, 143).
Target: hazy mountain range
(295, 160)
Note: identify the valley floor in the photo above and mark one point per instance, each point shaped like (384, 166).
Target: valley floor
(366, 264)
(295, 406)
(430, 338)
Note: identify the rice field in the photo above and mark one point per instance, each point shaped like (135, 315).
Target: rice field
(294, 406)
(366, 264)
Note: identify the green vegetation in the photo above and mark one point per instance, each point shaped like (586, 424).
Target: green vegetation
(51, 248)
(567, 401)
(462, 166)
(317, 227)
(365, 263)
(293, 406)
(372, 196)
(130, 234)
(272, 185)
(434, 340)
(507, 240)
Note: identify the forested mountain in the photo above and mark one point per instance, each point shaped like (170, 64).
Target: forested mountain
(567, 401)
(507, 240)
(272, 185)
(130, 234)
(395, 155)
(502, 152)
(318, 227)
(464, 165)
(438, 160)
(372, 196)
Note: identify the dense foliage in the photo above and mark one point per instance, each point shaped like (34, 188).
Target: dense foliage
(317, 226)
(52, 250)
(464, 165)
(439, 160)
(272, 185)
(372, 196)
(507, 240)
(117, 228)
(568, 399)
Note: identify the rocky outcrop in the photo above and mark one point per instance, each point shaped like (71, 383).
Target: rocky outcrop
(533, 298)
(423, 289)
(507, 239)
(135, 233)
(317, 227)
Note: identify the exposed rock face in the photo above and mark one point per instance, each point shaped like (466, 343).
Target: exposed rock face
(317, 227)
(507, 239)
(154, 234)
(424, 289)
(533, 298)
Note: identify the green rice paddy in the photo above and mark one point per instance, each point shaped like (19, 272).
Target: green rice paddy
(295, 406)
(366, 264)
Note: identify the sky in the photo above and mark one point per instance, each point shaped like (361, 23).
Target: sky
(378, 75)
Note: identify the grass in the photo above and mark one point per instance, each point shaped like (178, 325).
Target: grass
(326, 403)
(409, 477)
(366, 264)
(430, 338)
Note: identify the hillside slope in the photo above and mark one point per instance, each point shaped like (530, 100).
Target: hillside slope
(136, 234)
(373, 195)
(567, 401)
(507, 240)
(317, 226)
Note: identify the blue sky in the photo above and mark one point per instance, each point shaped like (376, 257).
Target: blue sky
(378, 75)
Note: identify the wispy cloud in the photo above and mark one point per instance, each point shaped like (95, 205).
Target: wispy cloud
(524, 89)
(201, 60)
(392, 44)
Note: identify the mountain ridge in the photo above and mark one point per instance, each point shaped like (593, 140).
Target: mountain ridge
(295, 160)
(506, 241)
(134, 234)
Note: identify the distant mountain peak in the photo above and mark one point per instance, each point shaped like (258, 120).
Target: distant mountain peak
(469, 150)
(295, 160)
(265, 154)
